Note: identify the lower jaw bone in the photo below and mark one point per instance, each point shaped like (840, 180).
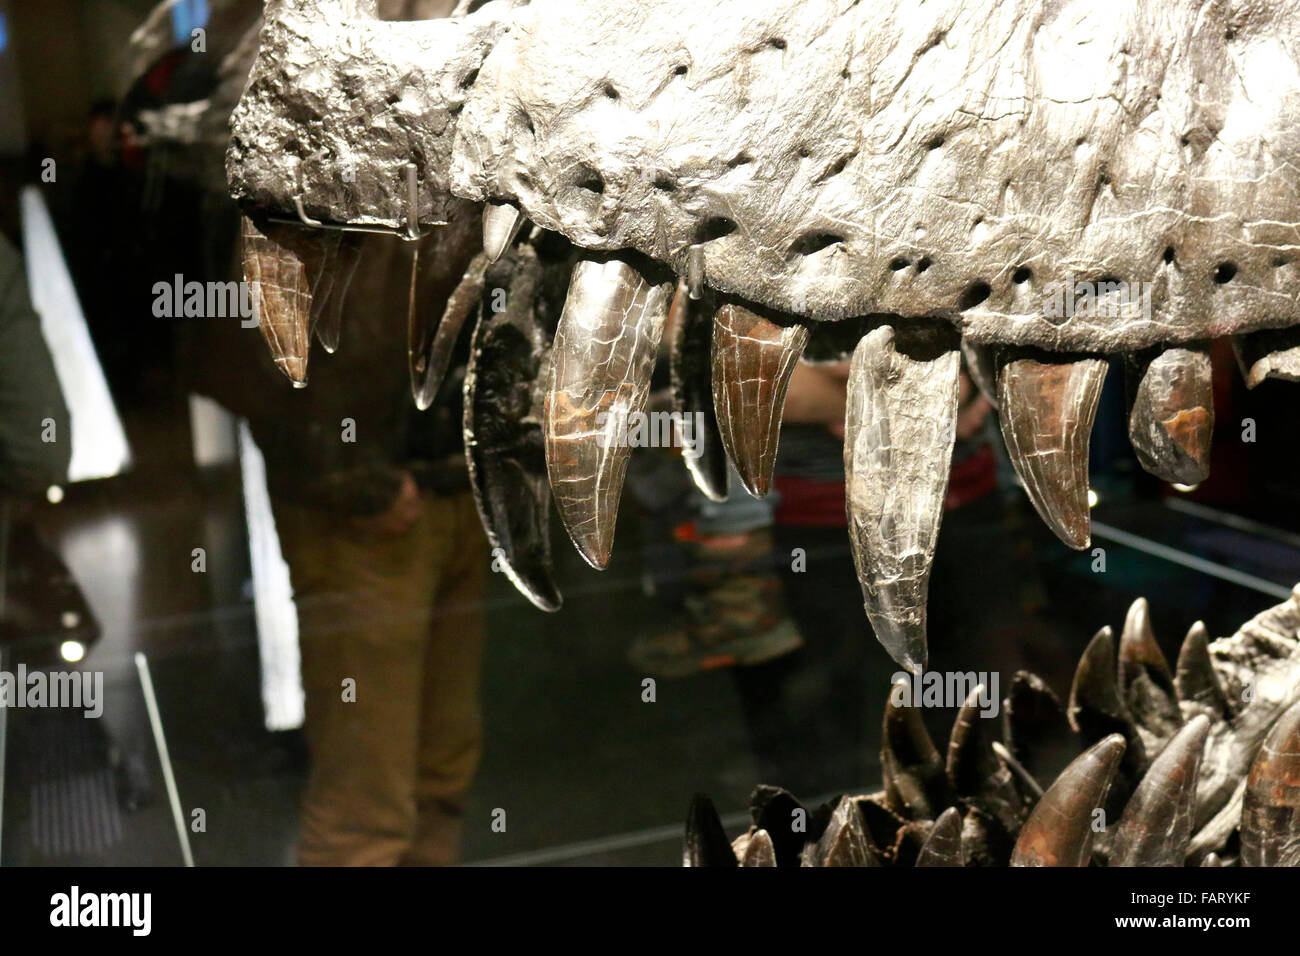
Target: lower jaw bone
(603, 355)
(900, 424)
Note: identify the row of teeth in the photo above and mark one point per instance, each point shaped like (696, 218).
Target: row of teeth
(900, 421)
(1159, 748)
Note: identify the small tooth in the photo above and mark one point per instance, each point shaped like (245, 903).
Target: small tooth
(974, 771)
(1171, 412)
(282, 264)
(429, 356)
(501, 222)
(706, 841)
(900, 424)
(752, 362)
(759, 850)
(691, 376)
(1096, 708)
(1035, 727)
(1145, 683)
(1059, 831)
(1024, 779)
(915, 782)
(329, 321)
(1196, 681)
(1271, 353)
(695, 271)
(504, 396)
(1270, 810)
(1157, 823)
(1047, 407)
(943, 846)
(604, 352)
(1212, 859)
(845, 841)
(982, 368)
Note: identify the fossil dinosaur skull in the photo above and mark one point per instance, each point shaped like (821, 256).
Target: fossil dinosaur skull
(1177, 763)
(914, 184)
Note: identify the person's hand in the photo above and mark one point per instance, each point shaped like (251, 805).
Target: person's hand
(400, 516)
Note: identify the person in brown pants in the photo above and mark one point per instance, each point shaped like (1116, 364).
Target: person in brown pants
(390, 612)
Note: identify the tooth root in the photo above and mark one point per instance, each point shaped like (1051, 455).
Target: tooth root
(429, 351)
(329, 321)
(1171, 412)
(1035, 727)
(692, 390)
(1271, 353)
(501, 222)
(759, 850)
(1270, 813)
(915, 784)
(943, 846)
(603, 355)
(282, 264)
(982, 368)
(706, 841)
(1157, 824)
(1145, 683)
(1196, 681)
(695, 271)
(1059, 831)
(1047, 407)
(974, 771)
(900, 423)
(509, 356)
(752, 362)
(845, 841)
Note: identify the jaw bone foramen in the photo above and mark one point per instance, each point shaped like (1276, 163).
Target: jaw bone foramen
(960, 163)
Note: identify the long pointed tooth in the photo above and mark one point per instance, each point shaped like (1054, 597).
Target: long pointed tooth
(429, 356)
(982, 368)
(974, 771)
(501, 222)
(900, 424)
(915, 783)
(691, 374)
(706, 841)
(1157, 823)
(943, 846)
(1145, 682)
(1035, 727)
(1048, 405)
(752, 362)
(1195, 679)
(1171, 412)
(759, 851)
(329, 322)
(504, 396)
(1271, 353)
(1097, 710)
(1270, 809)
(1059, 831)
(604, 353)
(282, 265)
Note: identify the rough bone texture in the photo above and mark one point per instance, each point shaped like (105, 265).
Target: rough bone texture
(964, 157)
